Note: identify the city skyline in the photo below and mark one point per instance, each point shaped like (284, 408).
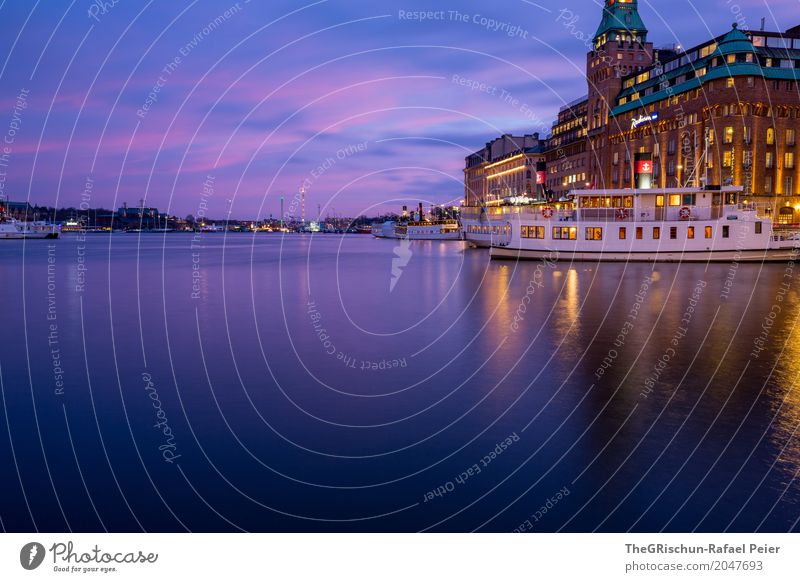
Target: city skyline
(377, 106)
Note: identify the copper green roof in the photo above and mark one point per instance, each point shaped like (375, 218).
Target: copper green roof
(620, 17)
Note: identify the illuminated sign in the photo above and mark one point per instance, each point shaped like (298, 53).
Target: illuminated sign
(636, 122)
(540, 177)
(644, 167)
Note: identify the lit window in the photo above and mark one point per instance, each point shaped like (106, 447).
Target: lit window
(790, 137)
(729, 82)
(660, 201)
(770, 136)
(565, 233)
(594, 233)
(727, 159)
(639, 233)
(788, 160)
(656, 232)
(623, 233)
(674, 199)
(770, 160)
(709, 232)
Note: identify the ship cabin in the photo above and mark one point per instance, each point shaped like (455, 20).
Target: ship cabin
(663, 205)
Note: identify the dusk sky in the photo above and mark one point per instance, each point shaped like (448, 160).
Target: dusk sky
(354, 98)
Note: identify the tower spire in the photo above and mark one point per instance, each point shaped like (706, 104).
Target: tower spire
(621, 22)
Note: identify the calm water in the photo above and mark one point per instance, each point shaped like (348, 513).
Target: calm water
(284, 384)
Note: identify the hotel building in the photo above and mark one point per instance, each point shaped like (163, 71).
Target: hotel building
(722, 113)
(505, 168)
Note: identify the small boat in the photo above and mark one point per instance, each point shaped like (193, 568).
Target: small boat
(12, 229)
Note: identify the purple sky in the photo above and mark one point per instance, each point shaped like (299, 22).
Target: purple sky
(350, 97)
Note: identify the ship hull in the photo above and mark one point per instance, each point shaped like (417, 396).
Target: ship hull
(28, 235)
(705, 256)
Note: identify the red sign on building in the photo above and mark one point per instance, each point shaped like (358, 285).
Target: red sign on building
(644, 167)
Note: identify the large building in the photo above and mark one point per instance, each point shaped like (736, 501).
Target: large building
(721, 113)
(505, 168)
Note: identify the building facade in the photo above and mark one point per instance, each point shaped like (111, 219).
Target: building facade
(722, 113)
(567, 153)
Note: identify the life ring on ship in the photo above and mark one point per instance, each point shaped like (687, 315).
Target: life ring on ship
(547, 212)
(684, 213)
(622, 214)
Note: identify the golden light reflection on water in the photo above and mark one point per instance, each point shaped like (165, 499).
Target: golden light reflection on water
(566, 308)
(785, 390)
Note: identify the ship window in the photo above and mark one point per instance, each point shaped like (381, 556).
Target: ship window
(593, 233)
(617, 202)
(628, 201)
(623, 233)
(689, 199)
(674, 199)
(656, 232)
(660, 201)
(758, 227)
(565, 233)
(690, 232)
(639, 233)
(673, 232)
(709, 232)
(532, 232)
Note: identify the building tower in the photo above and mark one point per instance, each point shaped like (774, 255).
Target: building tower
(620, 48)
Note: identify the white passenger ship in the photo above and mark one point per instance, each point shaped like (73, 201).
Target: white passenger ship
(429, 230)
(11, 229)
(671, 225)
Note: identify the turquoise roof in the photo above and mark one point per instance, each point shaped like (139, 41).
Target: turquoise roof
(620, 17)
(734, 42)
(721, 72)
